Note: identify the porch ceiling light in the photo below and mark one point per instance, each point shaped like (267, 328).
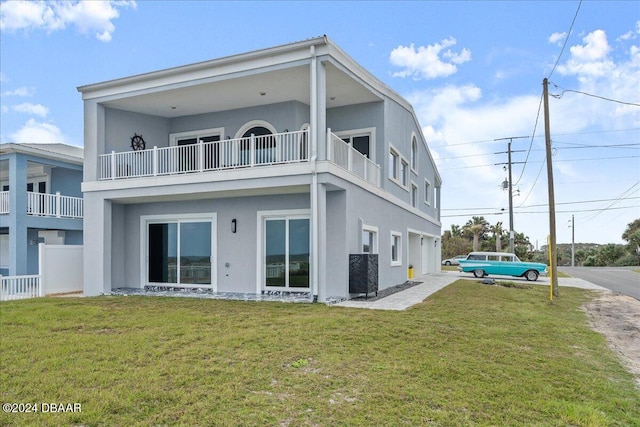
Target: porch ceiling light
(234, 224)
(263, 93)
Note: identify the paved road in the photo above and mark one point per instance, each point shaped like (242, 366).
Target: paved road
(617, 279)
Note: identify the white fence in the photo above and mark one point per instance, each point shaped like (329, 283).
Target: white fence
(20, 287)
(60, 268)
(347, 157)
(288, 147)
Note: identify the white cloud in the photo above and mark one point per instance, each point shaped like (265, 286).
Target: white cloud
(632, 34)
(590, 59)
(35, 132)
(428, 62)
(86, 16)
(21, 91)
(33, 109)
(556, 38)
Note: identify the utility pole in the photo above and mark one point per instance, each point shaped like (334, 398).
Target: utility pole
(552, 201)
(573, 241)
(511, 232)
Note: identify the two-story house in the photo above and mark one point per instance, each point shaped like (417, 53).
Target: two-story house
(255, 173)
(40, 201)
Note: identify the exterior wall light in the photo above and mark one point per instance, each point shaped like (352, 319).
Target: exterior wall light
(234, 225)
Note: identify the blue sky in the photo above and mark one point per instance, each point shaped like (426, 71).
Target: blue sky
(472, 70)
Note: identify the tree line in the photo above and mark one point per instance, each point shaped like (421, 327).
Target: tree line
(479, 235)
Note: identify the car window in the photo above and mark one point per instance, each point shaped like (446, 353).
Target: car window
(477, 257)
(493, 258)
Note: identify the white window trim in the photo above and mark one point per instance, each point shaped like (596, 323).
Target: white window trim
(371, 132)
(254, 123)
(414, 138)
(374, 230)
(262, 216)
(145, 220)
(175, 137)
(397, 262)
(428, 194)
(414, 201)
(399, 159)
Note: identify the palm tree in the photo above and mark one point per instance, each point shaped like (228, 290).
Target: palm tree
(477, 226)
(497, 232)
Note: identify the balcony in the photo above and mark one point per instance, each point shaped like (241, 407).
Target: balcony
(47, 205)
(288, 147)
(347, 157)
(281, 148)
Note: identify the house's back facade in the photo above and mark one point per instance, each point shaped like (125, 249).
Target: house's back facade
(255, 173)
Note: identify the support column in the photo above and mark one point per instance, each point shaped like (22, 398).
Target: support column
(97, 245)
(18, 240)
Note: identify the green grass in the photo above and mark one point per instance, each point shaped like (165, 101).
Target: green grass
(469, 355)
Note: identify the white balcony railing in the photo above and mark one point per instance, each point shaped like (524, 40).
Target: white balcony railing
(289, 147)
(4, 202)
(55, 205)
(347, 157)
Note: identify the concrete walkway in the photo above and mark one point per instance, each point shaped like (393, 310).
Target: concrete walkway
(432, 283)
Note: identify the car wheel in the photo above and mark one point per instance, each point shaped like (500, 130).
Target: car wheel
(531, 275)
(447, 263)
(478, 273)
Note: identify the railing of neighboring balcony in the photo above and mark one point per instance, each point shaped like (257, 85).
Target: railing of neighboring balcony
(4, 202)
(55, 205)
(288, 147)
(52, 205)
(347, 157)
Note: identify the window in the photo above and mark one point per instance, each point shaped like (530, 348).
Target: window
(360, 139)
(436, 197)
(427, 192)
(286, 250)
(369, 240)
(396, 248)
(414, 195)
(180, 250)
(393, 164)
(404, 172)
(189, 155)
(414, 153)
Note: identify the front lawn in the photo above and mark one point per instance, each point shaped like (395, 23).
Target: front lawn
(471, 354)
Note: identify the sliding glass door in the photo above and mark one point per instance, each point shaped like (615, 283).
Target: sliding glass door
(286, 253)
(180, 252)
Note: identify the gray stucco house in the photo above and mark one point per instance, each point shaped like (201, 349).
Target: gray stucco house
(254, 173)
(40, 202)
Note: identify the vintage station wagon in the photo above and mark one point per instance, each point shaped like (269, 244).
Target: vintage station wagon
(501, 263)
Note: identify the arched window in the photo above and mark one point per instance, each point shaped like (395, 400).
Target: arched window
(265, 144)
(414, 153)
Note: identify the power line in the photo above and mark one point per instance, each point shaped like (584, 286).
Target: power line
(599, 211)
(534, 136)
(540, 205)
(592, 95)
(566, 40)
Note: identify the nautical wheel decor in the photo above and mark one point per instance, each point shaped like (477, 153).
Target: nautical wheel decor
(137, 143)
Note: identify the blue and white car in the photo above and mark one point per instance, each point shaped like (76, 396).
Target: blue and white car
(500, 263)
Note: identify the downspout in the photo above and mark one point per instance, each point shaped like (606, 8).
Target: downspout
(314, 172)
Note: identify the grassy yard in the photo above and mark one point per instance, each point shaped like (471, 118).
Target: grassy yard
(469, 355)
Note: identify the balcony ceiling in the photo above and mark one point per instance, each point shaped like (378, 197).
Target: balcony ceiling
(288, 84)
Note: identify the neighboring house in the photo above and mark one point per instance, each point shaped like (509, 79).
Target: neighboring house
(254, 173)
(40, 201)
